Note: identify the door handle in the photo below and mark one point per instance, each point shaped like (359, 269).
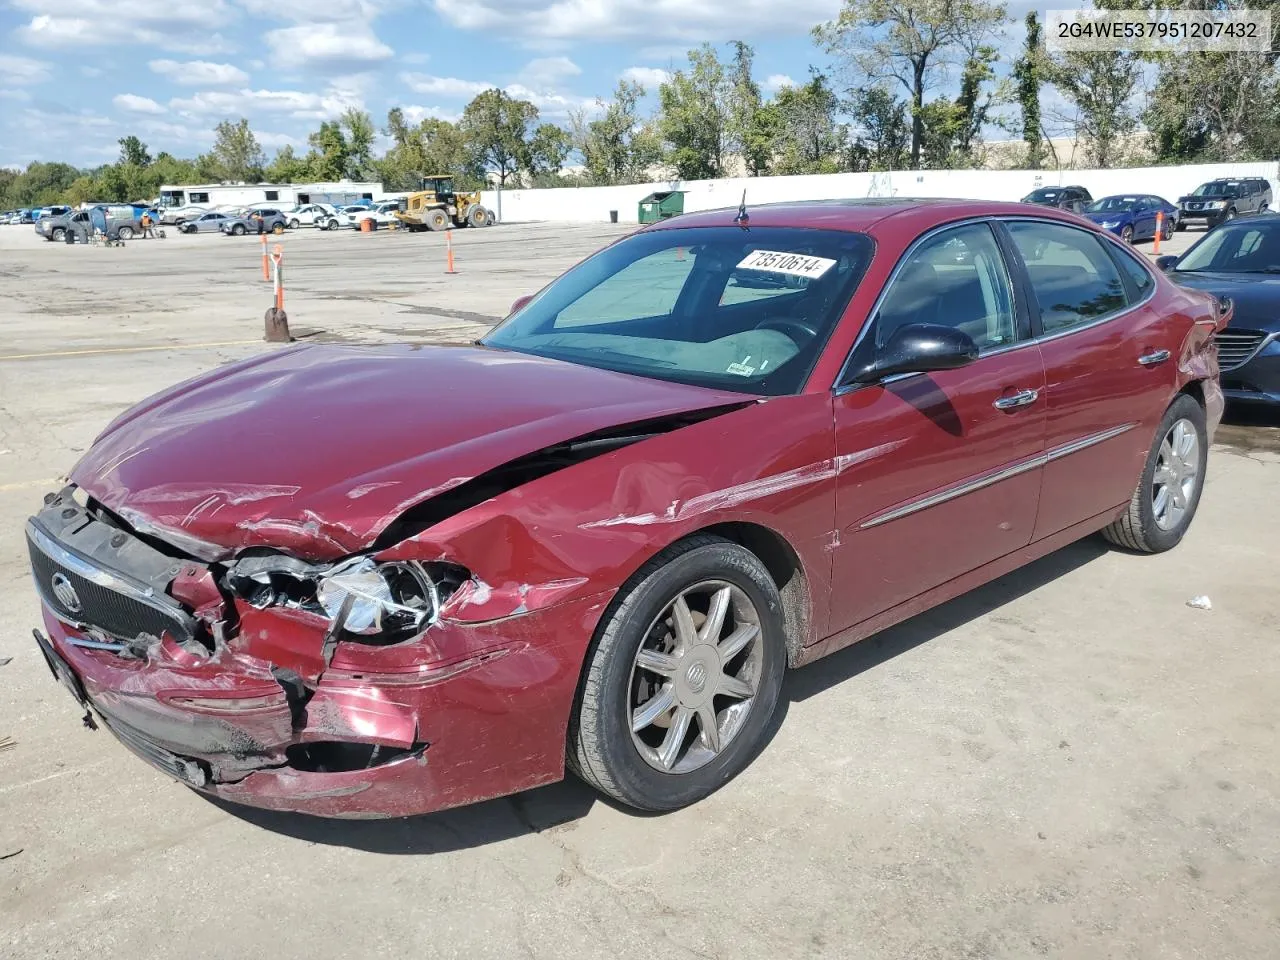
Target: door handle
(1154, 357)
(1022, 398)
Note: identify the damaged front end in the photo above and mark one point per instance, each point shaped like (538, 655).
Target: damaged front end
(344, 688)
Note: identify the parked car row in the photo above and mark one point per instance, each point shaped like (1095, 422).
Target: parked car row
(1132, 217)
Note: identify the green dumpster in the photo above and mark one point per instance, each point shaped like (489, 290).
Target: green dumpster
(660, 206)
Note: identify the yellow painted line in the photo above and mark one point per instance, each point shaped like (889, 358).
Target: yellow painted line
(102, 350)
(28, 484)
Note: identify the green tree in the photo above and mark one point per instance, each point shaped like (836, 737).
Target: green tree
(327, 160)
(236, 154)
(1028, 73)
(618, 147)
(1100, 86)
(694, 116)
(359, 133)
(751, 128)
(134, 152)
(286, 167)
(498, 131)
(884, 130)
(906, 41)
(808, 138)
(548, 149)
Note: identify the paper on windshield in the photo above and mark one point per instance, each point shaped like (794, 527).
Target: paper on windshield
(791, 264)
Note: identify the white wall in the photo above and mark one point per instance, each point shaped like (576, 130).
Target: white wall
(592, 204)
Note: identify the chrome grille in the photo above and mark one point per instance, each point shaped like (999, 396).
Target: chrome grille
(107, 600)
(1237, 346)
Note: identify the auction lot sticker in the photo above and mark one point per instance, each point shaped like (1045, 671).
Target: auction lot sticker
(791, 264)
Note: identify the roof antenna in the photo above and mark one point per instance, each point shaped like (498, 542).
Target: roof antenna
(742, 219)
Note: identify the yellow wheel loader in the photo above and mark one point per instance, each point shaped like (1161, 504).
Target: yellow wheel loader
(437, 207)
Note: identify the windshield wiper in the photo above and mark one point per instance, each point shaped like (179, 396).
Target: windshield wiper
(630, 358)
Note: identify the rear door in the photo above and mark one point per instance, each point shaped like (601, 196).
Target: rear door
(938, 473)
(1110, 366)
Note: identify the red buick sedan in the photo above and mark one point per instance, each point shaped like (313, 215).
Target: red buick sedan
(378, 581)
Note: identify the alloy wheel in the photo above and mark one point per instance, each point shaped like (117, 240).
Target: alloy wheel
(1173, 485)
(695, 677)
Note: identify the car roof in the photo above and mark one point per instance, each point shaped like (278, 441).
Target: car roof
(863, 215)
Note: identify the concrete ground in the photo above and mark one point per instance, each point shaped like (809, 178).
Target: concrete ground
(1070, 762)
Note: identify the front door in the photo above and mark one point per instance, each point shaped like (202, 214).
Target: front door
(1110, 367)
(938, 473)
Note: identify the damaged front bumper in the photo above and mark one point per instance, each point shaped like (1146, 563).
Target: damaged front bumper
(256, 707)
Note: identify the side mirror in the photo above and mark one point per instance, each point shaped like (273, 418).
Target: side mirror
(920, 348)
(520, 303)
(1166, 263)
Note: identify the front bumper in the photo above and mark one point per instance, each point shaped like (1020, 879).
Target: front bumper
(1210, 218)
(462, 712)
(1257, 380)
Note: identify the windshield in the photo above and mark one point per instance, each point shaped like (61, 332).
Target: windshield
(1251, 246)
(722, 307)
(1043, 194)
(1217, 188)
(1113, 205)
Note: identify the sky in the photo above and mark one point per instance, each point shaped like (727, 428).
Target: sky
(76, 75)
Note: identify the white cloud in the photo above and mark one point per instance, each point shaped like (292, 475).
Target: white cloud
(416, 58)
(171, 24)
(548, 102)
(92, 71)
(327, 45)
(535, 21)
(200, 73)
(443, 86)
(314, 10)
(548, 71)
(298, 104)
(776, 81)
(135, 104)
(649, 77)
(22, 71)
(416, 114)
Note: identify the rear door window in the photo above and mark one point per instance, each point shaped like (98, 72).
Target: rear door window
(1074, 279)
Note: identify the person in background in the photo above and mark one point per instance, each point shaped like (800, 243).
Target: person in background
(148, 225)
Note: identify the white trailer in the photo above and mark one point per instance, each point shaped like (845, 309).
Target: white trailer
(283, 196)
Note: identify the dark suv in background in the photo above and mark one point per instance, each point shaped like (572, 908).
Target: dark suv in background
(1073, 198)
(1218, 200)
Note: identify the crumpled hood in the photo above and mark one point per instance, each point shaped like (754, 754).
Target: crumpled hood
(317, 449)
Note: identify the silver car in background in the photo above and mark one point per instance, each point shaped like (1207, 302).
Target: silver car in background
(210, 222)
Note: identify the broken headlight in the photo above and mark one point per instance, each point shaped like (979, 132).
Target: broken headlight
(389, 600)
(378, 597)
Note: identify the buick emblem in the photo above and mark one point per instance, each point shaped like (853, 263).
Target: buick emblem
(697, 677)
(65, 593)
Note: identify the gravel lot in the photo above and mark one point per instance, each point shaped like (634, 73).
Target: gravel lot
(1069, 762)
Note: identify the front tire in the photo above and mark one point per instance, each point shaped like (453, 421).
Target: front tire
(1168, 492)
(58, 235)
(682, 677)
(295, 223)
(1126, 234)
(239, 230)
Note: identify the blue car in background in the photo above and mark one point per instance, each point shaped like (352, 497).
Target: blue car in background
(1132, 216)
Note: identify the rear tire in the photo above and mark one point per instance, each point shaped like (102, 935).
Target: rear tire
(478, 216)
(124, 233)
(277, 229)
(638, 731)
(1155, 523)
